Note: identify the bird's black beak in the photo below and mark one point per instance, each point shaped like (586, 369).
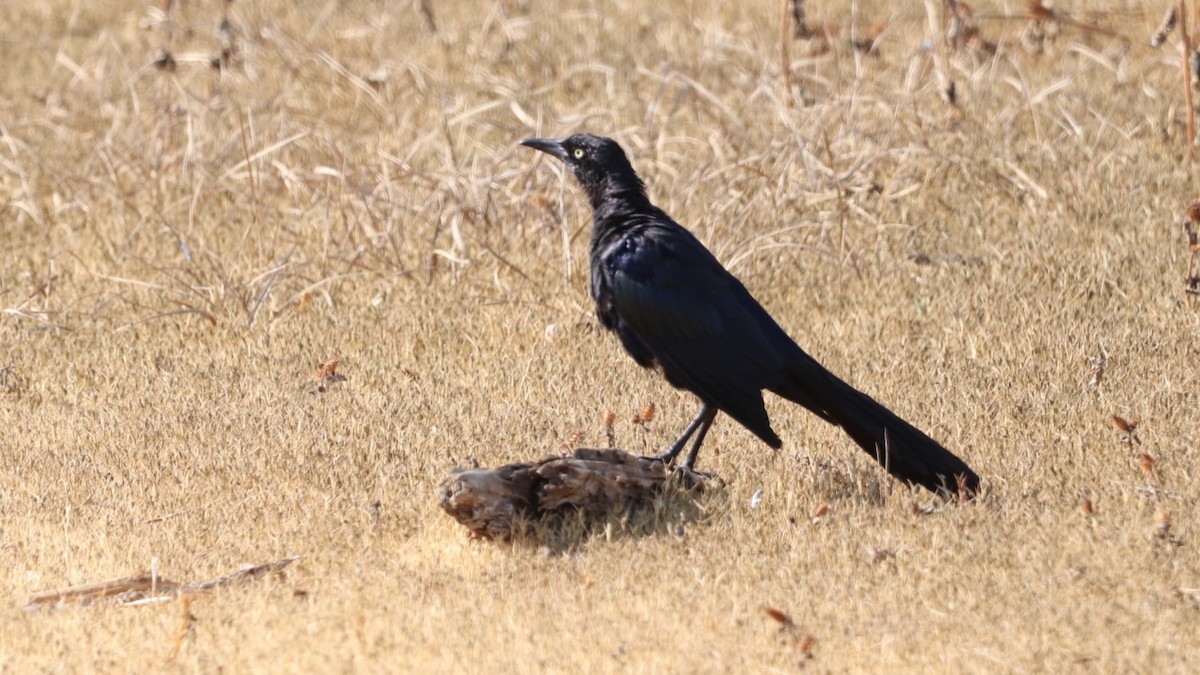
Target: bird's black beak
(550, 146)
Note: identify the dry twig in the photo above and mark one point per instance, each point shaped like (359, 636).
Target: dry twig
(1185, 44)
(145, 588)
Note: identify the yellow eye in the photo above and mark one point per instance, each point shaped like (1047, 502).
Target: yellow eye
(578, 153)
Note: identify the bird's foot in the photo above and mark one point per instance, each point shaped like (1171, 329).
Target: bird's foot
(667, 458)
(692, 479)
(686, 474)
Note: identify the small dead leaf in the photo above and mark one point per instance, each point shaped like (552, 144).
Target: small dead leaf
(1039, 12)
(164, 60)
(187, 624)
(1193, 211)
(1162, 524)
(779, 616)
(573, 441)
(1146, 462)
(805, 645)
(327, 369)
(647, 413)
(1126, 427)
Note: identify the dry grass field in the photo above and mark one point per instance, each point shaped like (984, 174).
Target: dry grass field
(183, 240)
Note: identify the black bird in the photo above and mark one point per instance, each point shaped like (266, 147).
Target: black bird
(673, 305)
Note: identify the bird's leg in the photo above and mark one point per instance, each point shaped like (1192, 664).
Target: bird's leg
(707, 412)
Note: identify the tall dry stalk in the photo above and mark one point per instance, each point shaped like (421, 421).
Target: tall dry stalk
(785, 60)
(1185, 45)
(940, 64)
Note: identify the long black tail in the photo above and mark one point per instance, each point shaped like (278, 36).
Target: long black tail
(903, 450)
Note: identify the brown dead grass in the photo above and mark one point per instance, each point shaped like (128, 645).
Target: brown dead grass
(181, 251)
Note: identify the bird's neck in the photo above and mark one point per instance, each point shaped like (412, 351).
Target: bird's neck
(618, 195)
(619, 215)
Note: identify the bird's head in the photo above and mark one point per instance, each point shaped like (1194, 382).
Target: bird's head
(598, 162)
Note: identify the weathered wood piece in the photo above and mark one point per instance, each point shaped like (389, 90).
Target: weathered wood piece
(595, 481)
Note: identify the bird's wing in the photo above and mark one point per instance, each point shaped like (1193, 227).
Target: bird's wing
(701, 325)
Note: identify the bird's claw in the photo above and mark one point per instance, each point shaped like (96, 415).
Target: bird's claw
(689, 476)
(667, 462)
(696, 480)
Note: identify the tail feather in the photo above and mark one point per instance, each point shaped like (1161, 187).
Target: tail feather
(903, 450)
